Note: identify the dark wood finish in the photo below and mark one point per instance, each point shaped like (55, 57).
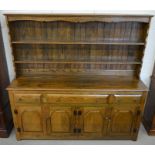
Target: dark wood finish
(149, 112)
(6, 122)
(77, 76)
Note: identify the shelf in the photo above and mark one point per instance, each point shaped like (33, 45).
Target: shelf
(72, 82)
(77, 62)
(78, 18)
(78, 43)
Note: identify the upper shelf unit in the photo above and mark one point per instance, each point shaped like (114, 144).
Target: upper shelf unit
(77, 44)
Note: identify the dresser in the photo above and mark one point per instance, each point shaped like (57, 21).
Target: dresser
(77, 76)
(149, 112)
(6, 122)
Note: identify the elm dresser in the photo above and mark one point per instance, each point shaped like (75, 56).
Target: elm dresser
(6, 122)
(77, 76)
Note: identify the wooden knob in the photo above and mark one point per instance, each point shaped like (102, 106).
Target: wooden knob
(74, 130)
(78, 130)
(75, 112)
(15, 111)
(111, 99)
(43, 98)
(79, 112)
(106, 118)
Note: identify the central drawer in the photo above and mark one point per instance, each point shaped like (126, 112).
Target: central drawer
(59, 98)
(52, 98)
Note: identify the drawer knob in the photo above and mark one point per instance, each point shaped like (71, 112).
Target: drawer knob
(18, 129)
(75, 112)
(74, 130)
(77, 130)
(79, 112)
(135, 130)
(111, 98)
(138, 112)
(108, 118)
(15, 111)
(43, 99)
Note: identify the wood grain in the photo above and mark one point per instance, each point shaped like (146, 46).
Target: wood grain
(77, 76)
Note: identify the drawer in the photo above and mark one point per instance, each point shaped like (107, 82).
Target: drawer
(51, 98)
(127, 99)
(27, 98)
(68, 98)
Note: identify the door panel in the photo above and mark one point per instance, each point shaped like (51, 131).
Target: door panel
(31, 125)
(60, 121)
(122, 120)
(124, 115)
(94, 122)
(30, 119)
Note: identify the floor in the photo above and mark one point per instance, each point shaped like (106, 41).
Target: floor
(143, 138)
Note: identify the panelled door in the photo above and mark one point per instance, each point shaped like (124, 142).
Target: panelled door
(77, 122)
(122, 121)
(125, 112)
(60, 121)
(30, 120)
(93, 122)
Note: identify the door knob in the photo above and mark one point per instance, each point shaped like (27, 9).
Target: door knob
(75, 112)
(78, 130)
(79, 112)
(74, 130)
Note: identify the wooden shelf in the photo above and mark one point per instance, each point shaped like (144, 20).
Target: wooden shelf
(77, 62)
(78, 43)
(97, 82)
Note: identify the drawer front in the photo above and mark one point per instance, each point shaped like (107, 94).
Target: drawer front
(127, 99)
(77, 99)
(50, 98)
(27, 98)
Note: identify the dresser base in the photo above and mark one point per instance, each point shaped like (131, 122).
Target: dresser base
(102, 109)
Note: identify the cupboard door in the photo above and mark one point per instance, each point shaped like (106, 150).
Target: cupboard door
(30, 120)
(125, 116)
(60, 121)
(122, 121)
(93, 122)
